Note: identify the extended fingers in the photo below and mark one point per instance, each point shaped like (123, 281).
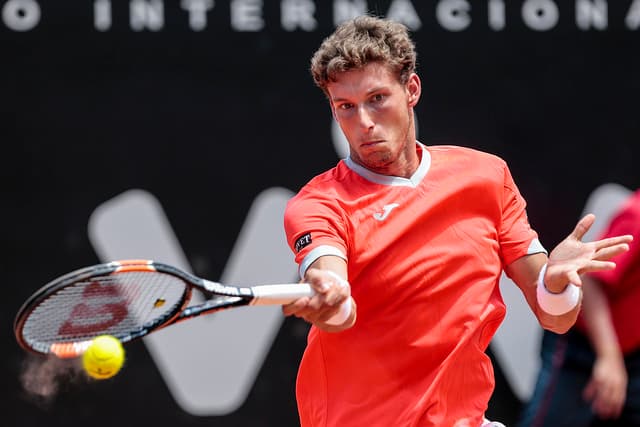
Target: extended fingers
(596, 265)
(558, 275)
(609, 252)
(614, 241)
(583, 226)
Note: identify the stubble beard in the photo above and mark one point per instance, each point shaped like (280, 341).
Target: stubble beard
(381, 161)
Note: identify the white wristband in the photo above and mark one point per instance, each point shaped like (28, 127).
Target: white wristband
(345, 308)
(556, 304)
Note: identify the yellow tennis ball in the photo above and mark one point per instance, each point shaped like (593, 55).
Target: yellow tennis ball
(103, 358)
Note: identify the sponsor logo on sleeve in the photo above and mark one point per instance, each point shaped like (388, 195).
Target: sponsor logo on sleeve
(304, 240)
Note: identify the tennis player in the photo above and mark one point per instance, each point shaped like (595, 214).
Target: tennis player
(417, 237)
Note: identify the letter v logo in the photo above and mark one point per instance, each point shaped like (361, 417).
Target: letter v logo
(193, 364)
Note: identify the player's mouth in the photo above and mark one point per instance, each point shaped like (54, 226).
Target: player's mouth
(371, 143)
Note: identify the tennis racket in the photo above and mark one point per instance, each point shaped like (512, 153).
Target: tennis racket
(130, 299)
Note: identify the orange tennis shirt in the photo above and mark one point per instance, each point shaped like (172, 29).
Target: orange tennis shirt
(424, 259)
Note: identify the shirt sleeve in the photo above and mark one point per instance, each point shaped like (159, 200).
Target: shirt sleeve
(517, 238)
(314, 227)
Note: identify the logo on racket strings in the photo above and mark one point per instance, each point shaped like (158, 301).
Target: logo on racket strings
(101, 307)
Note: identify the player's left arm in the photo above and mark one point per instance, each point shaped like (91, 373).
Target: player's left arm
(524, 272)
(559, 284)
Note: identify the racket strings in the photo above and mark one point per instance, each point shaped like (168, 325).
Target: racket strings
(121, 304)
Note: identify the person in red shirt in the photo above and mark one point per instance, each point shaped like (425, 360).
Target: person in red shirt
(404, 245)
(591, 375)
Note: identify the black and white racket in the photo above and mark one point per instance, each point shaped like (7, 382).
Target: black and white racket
(129, 299)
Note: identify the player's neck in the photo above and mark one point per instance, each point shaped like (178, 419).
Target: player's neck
(404, 166)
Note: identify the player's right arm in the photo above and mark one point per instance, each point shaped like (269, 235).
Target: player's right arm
(317, 231)
(328, 277)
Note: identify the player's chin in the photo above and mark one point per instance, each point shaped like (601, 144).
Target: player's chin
(378, 163)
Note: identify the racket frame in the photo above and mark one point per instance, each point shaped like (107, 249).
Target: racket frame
(219, 297)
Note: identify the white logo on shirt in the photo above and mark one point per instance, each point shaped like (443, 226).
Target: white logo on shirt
(386, 210)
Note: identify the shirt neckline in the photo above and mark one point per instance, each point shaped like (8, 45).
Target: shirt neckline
(412, 181)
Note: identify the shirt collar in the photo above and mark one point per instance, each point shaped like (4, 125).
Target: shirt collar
(413, 181)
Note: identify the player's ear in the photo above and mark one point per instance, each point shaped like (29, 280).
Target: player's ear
(414, 89)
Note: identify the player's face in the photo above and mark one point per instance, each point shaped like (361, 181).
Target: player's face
(375, 112)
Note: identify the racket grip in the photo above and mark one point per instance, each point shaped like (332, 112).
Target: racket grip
(342, 315)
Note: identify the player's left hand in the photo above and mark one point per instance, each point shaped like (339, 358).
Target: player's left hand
(573, 257)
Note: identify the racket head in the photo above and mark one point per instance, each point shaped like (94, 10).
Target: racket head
(126, 299)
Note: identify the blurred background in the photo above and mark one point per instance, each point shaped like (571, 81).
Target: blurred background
(189, 123)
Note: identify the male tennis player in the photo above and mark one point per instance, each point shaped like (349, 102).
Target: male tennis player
(417, 236)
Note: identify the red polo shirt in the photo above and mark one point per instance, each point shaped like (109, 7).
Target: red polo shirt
(424, 258)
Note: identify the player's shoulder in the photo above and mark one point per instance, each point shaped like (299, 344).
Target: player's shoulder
(321, 182)
(466, 157)
(324, 186)
(462, 152)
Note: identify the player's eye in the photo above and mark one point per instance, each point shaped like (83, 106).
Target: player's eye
(345, 106)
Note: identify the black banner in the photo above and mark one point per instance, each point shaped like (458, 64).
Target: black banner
(203, 114)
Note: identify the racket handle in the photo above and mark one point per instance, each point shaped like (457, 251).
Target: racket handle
(280, 294)
(287, 293)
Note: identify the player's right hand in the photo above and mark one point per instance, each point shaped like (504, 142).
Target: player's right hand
(331, 292)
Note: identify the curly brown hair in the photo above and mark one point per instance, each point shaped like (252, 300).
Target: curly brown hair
(362, 40)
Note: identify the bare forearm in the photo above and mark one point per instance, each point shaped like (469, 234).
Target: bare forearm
(332, 309)
(524, 272)
(554, 292)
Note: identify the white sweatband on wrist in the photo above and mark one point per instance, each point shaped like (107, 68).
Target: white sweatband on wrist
(556, 304)
(345, 308)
